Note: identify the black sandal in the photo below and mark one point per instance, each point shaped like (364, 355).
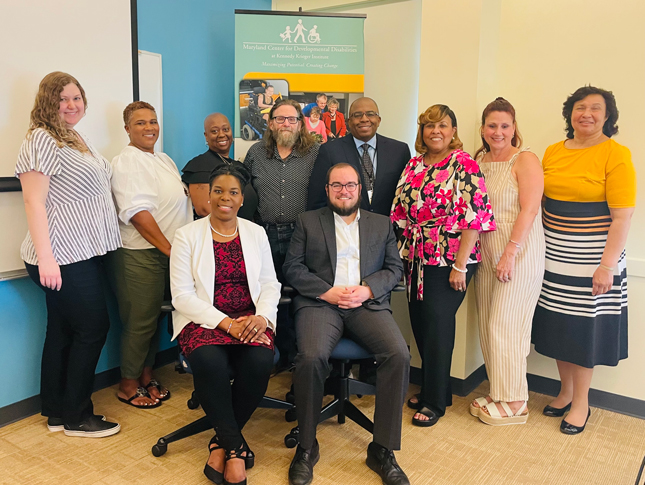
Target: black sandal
(141, 392)
(428, 413)
(237, 453)
(210, 472)
(415, 405)
(156, 384)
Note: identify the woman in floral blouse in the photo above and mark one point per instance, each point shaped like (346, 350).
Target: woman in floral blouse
(440, 206)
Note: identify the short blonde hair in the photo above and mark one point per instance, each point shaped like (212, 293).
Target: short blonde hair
(434, 114)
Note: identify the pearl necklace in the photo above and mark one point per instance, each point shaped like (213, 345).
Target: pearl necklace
(219, 233)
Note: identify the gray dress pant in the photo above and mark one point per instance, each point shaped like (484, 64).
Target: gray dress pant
(318, 330)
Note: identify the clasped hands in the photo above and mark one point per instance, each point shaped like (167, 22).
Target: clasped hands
(347, 297)
(248, 329)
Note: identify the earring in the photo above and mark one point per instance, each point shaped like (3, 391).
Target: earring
(242, 204)
(209, 201)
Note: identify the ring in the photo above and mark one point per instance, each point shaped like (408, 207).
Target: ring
(256, 330)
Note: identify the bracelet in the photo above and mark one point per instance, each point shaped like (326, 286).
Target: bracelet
(229, 327)
(608, 268)
(517, 245)
(460, 270)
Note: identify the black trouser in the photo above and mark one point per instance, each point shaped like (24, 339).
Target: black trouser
(285, 336)
(319, 330)
(433, 325)
(77, 326)
(228, 407)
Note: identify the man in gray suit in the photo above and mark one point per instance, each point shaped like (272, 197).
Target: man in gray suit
(343, 262)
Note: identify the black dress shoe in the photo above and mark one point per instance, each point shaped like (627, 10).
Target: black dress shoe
(301, 471)
(555, 412)
(382, 461)
(568, 428)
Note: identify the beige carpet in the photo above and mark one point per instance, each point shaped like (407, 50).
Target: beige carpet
(458, 450)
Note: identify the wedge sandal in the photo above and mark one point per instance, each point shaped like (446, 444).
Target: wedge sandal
(494, 417)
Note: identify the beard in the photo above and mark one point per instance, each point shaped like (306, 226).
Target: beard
(285, 138)
(344, 211)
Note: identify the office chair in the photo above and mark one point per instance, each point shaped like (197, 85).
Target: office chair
(202, 424)
(341, 386)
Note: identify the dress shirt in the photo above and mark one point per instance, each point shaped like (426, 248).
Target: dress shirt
(348, 252)
(148, 181)
(372, 149)
(281, 185)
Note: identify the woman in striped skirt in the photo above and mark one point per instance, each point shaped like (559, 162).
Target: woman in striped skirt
(590, 189)
(72, 224)
(510, 275)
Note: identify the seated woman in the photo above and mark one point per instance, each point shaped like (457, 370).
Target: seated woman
(266, 101)
(315, 126)
(232, 328)
(197, 172)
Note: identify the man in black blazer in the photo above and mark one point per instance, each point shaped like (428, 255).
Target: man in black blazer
(344, 263)
(386, 156)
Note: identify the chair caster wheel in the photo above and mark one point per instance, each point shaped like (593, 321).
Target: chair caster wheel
(192, 403)
(293, 438)
(290, 398)
(290, 415)
(159, 449)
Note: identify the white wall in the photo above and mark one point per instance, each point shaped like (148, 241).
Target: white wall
(534, 54)
(60, 36)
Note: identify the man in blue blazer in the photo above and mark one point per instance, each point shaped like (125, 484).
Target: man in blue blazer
(343, 262)
(378, 159)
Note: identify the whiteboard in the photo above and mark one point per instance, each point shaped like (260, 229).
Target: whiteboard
(151, 87)
(91, 41)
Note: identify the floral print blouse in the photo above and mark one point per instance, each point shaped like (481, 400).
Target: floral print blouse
(432, 205)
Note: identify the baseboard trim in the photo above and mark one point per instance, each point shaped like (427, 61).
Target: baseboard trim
(32, 405)
(460, 387)
(598, 399)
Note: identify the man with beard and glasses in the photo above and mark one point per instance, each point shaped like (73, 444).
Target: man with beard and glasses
(343, 262)
(280, 165)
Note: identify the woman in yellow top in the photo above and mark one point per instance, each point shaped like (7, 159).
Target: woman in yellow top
(590, 194)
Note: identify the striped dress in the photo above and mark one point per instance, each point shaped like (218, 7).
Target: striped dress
(570, 324)
(506, 309)
(80, 210)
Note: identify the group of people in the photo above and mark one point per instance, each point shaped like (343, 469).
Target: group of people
(340, 223)
(323, 118)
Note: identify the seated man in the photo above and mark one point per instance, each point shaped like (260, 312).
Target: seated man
(343, 262)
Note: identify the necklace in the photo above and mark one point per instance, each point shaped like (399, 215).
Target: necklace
(226, 162)
(219, 233)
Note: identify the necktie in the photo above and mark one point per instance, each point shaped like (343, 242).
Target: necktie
(368, 168)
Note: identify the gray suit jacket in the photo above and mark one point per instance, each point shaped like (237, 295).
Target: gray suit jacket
(310, 264)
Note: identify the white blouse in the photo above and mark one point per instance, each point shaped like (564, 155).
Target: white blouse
(148, 181)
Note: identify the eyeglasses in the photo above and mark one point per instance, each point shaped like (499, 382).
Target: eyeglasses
(291, 119)
(357, 115)
(337, 187)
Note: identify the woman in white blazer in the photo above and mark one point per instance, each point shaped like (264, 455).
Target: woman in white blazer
(225, 293)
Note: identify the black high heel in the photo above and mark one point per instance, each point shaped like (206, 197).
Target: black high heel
(237, 453)
(210, 472)
(568, 428)
(555, 412)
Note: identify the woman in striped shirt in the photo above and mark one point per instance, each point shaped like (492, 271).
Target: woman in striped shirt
(510, 275)
(72, 224)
